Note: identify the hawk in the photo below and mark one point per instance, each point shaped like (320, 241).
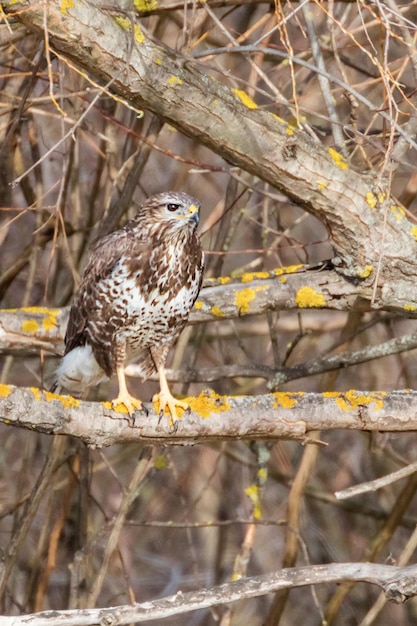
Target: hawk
(136, 293)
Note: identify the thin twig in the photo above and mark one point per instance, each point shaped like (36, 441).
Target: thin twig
(378, 483)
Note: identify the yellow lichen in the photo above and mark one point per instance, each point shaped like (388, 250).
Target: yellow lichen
(309, 298)
(174, 80)
(338, 159)
(286, 400)
(198, 305)
(37, 310)
(118, 408)
(49, 322)
(371, 199)
(353, 399)
(216, 310)
(321, 185)
(5, 390)
(138, 34)
(331, 394)
(36, 392)
(398, 212)
(145, 5)
(30, 326)
(278, 118)
(126, 24)
(249, 276)
(364, 272)
(253, 493)
(410, 307)
(158, 61)
(160, 462)
(414, 231)
(223, 280)
(262, 474)
(294, 124)
(245, 99)
(244, 296)
(207, 403)
(65, 5)
(68, 401)
(289, 269)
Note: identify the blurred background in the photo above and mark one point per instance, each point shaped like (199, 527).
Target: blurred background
(75, 164)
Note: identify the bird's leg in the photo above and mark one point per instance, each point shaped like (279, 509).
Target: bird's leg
(166, 399)
(132, 404)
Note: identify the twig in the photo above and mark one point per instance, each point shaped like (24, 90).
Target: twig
(378, 483)
(68, 134)
(324, 82)
(378, 543)
(295, 500)
(29, 510)
(317, 70)
(141, 471)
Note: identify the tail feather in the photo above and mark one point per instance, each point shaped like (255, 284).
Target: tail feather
(78, 371)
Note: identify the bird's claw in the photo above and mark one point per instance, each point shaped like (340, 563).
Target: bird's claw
(130, 404)
(171, 403)
(172, 422)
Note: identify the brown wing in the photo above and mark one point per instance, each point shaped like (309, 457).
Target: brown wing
(104, 256)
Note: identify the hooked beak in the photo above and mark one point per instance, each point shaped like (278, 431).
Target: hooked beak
(193, 213)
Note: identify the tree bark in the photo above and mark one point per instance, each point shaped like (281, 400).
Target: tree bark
(371, 234)
(279, 415)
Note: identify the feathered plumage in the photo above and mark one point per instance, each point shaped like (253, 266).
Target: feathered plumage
(134, 299)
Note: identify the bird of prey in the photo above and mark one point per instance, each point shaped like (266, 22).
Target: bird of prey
(134, 299)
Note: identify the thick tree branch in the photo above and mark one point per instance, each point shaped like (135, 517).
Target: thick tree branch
(34, 328)
(212, 417)
(357, 212)
(398, 583)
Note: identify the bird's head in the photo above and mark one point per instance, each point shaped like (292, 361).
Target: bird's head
(175, 210)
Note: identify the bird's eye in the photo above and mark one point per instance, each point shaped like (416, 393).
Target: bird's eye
(172, 206)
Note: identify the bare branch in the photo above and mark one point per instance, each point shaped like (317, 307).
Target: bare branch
(398, 583)
(378, 483)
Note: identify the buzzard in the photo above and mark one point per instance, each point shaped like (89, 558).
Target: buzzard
(134, 299)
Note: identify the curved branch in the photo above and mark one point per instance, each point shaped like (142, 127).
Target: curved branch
(398, 583)
(351, 204)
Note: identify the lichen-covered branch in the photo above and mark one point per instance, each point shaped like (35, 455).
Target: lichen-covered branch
(279, 415)
(398, 583)
(34, 328)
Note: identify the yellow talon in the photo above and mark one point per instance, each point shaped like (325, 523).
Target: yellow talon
(130, 403)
